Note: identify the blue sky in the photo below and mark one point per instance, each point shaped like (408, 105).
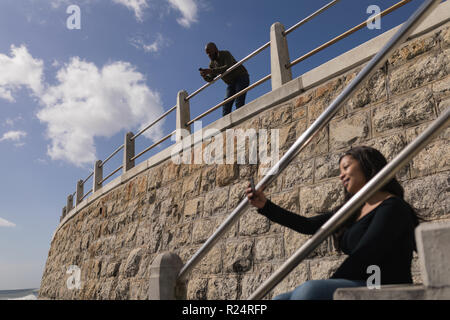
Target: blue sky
(68, 96)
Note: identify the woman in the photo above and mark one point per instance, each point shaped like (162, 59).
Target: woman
(380, 233)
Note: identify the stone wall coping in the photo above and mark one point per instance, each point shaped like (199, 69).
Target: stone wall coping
(330, 69)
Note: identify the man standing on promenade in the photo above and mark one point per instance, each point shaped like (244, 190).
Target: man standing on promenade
(237, 80)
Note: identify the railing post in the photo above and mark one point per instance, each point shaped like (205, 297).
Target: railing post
(80, 192)
(279, 56)
(183, 115)
(98, 176)
(128, 152)
(64, 212)
(163, 283)
(69, 202)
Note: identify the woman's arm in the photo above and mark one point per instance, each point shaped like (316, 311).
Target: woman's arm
(293, 221)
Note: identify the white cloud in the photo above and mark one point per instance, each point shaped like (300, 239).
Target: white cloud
(188, 9)
(153, 47)
(19, 70)
(11, 122)
(13, 135)
(138, 6)
(6, 223)
(90, 102)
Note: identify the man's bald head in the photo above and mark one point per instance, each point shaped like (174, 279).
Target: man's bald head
(211, 50)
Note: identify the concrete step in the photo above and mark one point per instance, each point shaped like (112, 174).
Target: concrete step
(433, 248)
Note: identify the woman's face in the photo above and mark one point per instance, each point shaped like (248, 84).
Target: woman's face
(352, 177)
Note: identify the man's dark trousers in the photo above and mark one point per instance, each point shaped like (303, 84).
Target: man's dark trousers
(238, 84)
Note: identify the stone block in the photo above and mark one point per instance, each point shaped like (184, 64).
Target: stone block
(390, 146)
(193, 208)
(404, 111)
(287, 200)
(429, 195)
(324, 268)
(216, 201)
(226, 174)
(294, 240)
(197, 289)
(433, 247)
(435, 157)
(237, 194)
(251, 281)
(208, 179)
(323, 197)
(372, 91)
(326, 167)
(277, 117)
(170, 172)
(131, 266)
(443, 105)
(317, 146)
(191, 185)
(350, 130)
(238, 256)
(414, 48)
(302, 100)
(298, 173)
(222, 288)
(252, 223)
(212, 262)
(431, 67)
(177, 236)
(269, 248)
(203, 229)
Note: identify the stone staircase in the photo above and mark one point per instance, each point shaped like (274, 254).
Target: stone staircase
(433, 248)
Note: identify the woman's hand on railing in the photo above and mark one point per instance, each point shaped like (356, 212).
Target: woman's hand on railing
(256, 197)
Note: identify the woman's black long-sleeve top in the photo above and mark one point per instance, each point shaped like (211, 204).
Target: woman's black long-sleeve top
(384, 237)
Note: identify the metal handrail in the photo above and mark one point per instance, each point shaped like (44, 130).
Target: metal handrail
(307, 136)
(85, 195)
(233, 67)
(151, 124)
(230, 99)
(154, 145)
(90, 175)
(110, 175)
(111, 155)
(345, 34)
(294, 27)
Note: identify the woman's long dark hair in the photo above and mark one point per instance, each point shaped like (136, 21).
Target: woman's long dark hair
(371, 162)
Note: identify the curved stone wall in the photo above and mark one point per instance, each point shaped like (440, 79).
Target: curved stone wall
(114, 237)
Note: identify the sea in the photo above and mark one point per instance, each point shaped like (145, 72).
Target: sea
(20, 294)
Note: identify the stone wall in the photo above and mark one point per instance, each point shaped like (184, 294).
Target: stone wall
(177, 207)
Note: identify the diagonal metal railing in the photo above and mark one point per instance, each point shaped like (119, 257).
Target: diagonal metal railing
(377, 61)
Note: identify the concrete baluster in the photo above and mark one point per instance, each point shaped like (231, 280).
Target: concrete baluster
(279, 56)
(98, 176)
(80, 192)
(128, 152)
(183, 115)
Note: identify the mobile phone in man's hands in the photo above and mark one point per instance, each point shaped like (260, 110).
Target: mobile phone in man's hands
(252, 185)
